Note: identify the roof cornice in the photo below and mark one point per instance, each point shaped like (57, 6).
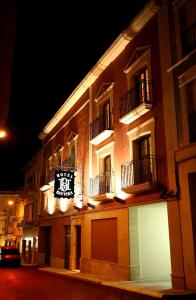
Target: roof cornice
(107, 58)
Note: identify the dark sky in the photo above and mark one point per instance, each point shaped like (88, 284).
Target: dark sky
(57, 43)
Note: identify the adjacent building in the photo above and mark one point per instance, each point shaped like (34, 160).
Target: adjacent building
(177, 24)
(31, 204)
(11, 216)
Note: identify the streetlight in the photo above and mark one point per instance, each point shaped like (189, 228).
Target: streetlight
(3, 133)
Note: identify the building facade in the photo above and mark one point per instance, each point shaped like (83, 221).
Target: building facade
(118, 136)
(11, 217)
(31, 206)
(178, 59)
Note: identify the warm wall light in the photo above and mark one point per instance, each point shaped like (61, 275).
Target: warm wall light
(63, 204)
(51, 205)
(10, 202)
(2, 134)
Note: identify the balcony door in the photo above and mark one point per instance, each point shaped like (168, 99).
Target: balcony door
(106, 115)
(142, 86)
(144, 159)
(107, 173)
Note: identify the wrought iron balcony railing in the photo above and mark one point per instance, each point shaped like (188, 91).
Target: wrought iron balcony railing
(139, 94)
(189, 39)
(103, 122)
(148, 169)
(192, 127)
(101, 184)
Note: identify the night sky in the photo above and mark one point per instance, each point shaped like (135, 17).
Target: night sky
(57, 43)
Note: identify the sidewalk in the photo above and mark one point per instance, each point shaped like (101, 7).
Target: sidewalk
(156, 289)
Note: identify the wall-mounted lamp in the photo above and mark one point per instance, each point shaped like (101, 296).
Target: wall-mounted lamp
(3, 133)
(91, 205)
(77, 208)
(119, 200)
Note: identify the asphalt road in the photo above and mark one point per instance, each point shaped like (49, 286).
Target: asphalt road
(28, 283)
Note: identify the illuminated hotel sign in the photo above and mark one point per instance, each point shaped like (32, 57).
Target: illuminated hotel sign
(64, 184)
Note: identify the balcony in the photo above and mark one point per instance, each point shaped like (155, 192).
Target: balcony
(101, 187)
(136, 102)
(192, 127)
(138, 176)
(100, 129)
(189, 39)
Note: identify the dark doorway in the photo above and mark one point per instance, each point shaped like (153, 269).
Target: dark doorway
(192, 193)
(47, 245)
(67, 245)
(78, 246)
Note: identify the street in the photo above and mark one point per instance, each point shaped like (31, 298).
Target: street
(27, 283)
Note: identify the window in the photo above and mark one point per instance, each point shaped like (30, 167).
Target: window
(188, 26)
(58, 158)
(107, 164)
(137, 100)
(145, 169)
(106, 115)
(142, 86)
(144, 161)
(72, 154)
(191, 109)
(107, 173)
(187, 122)
(28, 213)
(101, 127)
(31, 182)
(102, 176)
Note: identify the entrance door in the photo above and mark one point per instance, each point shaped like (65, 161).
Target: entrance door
(78, 246)
(67, 245)
(149, 242)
